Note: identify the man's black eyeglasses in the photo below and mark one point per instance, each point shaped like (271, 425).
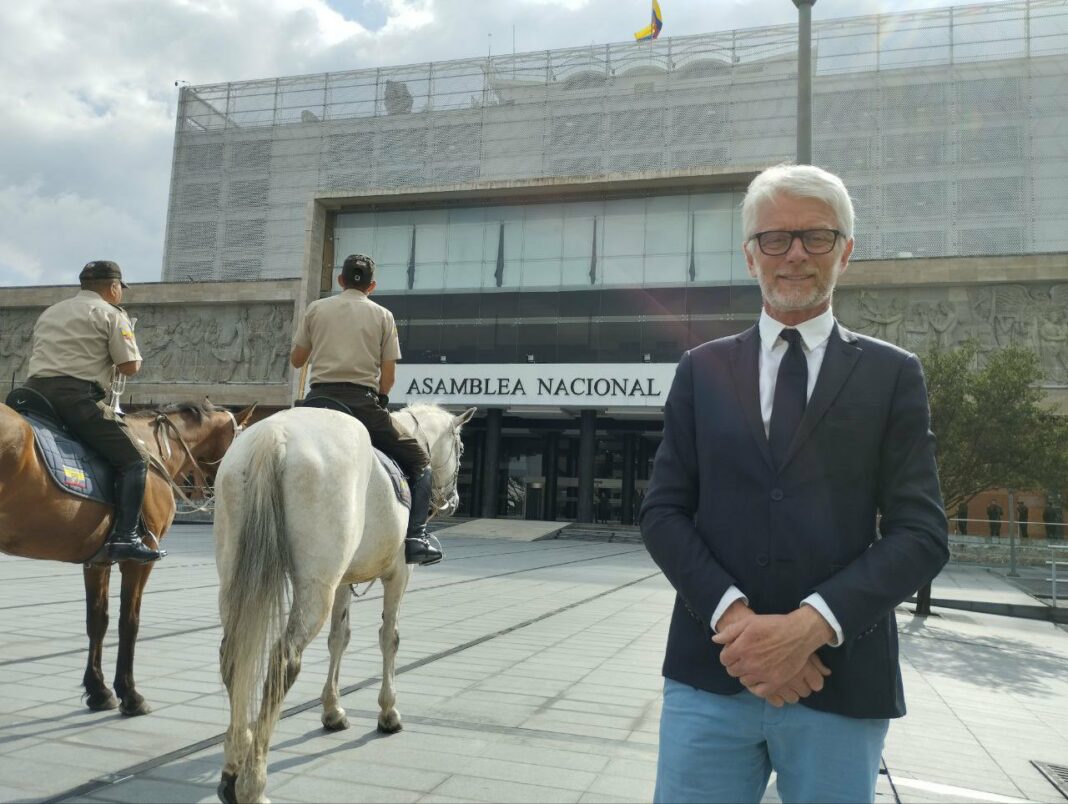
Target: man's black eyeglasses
(816, 241)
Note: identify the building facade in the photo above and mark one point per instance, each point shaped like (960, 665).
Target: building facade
(553, 229)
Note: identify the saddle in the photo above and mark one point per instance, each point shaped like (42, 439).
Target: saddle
(73, 466)
(397, 477)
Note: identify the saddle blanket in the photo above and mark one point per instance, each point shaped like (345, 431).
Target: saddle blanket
(397, 477)
(73, 466)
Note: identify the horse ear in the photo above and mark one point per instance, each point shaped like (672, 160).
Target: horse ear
(244, 415)
(464, 418)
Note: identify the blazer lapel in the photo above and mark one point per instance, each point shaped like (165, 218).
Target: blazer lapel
(839, 360)
(745, 372)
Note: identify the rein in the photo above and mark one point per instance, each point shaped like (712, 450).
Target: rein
(440, 501)
(161, 422)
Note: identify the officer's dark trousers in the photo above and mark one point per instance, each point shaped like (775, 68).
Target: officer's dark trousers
(385, 435)
(76, 403)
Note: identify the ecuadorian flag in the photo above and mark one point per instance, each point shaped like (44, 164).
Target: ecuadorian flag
(652, 31)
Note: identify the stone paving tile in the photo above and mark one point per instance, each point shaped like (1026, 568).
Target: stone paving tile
(473, 788)
(493, 722)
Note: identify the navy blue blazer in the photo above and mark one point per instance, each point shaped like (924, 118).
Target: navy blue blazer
(717, 512)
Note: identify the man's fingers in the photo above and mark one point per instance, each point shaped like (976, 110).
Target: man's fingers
(727, 634)
(817, 662)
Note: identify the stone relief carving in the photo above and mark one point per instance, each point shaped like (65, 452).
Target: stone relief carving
(218, 343)
(16, 337)
(1034, 317)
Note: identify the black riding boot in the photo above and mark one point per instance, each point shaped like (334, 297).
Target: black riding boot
(419, 546)
(124, 542)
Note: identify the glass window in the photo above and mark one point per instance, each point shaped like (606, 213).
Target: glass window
(667, 225)
(543, 232)
(713, 222)
(665, 269)
(460, 275)
(624, 228)
(358, 237)
(541, 273)
(393, 240)
(621, 271)
(429, 276)
(390, 277)
(575, 272)
(466, 242)
(431, 237)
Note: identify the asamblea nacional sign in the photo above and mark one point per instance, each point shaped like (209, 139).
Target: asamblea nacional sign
(551, 384)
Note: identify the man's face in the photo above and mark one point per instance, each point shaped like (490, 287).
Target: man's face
(796, 285)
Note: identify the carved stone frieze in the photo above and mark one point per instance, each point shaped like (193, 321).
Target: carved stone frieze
(198, 343)
(1032, 316)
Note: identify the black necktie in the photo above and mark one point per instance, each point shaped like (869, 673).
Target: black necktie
(791, 393)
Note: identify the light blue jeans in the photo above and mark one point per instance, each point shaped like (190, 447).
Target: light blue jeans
(723, 748)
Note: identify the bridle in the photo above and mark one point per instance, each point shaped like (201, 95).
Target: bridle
(443, 498)
(163, 428)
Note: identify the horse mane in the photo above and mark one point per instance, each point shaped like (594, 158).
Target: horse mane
(198, 410)
(417, 408)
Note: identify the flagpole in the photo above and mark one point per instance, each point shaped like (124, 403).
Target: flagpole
(804, 80)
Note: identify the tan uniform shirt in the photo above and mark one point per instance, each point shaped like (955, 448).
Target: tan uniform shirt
(349, 336)
(83, 337)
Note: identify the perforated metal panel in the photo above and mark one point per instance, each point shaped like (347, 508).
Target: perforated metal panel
(944, 123)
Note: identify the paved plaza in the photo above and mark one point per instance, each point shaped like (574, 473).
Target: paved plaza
(528, 671)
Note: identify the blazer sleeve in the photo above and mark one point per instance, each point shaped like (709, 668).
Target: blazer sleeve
(667, 513)
(914, 543)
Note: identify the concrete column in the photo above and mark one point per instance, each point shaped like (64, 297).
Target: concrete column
(490, 458)
(549, 460)
(628, 512)
(587, 441)
(473, 443)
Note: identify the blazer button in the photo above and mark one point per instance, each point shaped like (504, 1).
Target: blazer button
(776, 494)
(762, 560)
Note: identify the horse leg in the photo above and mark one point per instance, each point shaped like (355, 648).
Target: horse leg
(393, 585)
(97, 695)
(310, 609)
(333, 715)
(134, 578)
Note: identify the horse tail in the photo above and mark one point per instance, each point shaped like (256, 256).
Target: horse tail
(254, 600)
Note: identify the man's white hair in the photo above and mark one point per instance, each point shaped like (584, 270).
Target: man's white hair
(799, 181)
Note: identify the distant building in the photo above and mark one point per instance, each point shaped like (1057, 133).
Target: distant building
(554, 229)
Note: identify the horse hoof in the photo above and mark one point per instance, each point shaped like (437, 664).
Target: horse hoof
(226, 790)
(101, 702)
(135, 708)
(390, 725)
(335, 723)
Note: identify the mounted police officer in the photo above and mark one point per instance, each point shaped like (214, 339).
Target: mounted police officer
(78, 344)
(353, 346)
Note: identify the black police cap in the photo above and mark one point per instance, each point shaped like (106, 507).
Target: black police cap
(358, 269)
(102, 269)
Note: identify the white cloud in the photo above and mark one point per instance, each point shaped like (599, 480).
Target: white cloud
(87, 96)
(46, 238)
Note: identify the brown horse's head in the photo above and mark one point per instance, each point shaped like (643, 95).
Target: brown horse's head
(191, 438)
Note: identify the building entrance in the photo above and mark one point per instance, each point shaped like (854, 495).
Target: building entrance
(538, 472)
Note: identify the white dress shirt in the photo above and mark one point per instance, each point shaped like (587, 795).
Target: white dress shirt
(814, 336)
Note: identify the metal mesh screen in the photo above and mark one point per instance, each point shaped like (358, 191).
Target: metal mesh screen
(947, 125)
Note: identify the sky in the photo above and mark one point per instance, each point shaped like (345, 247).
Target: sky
(88, 95)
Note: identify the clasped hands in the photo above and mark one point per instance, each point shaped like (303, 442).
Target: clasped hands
(774, 655)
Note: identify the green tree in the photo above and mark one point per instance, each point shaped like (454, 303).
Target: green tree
(993, 426)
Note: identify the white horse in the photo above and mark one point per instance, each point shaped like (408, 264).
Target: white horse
(303, 509)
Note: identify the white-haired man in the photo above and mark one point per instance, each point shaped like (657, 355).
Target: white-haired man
(781, 446)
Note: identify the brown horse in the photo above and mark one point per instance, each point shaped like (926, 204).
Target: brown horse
(39, 520)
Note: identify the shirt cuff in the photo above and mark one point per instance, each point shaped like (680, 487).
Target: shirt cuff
(816, 601)
(733, 593)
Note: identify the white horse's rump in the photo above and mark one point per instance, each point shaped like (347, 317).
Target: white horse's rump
(303, 508)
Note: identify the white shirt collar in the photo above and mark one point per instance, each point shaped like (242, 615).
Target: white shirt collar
(814, 332)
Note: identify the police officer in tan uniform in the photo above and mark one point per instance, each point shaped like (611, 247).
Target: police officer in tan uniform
(77, 344)
(353, 347)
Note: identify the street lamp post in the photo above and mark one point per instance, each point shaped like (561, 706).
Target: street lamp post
(804, 80)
